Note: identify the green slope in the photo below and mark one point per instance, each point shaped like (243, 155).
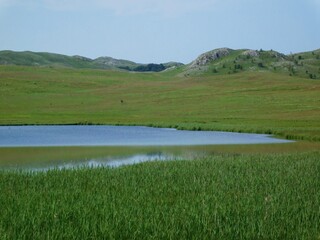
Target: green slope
(58, 60)
(43, 59)
(306, 65)
(248, 101)
(218, 61)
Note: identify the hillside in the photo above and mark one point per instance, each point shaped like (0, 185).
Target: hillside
(248, 101)
(223, 89)
(229, 61)
(58, 60)
(217, 62)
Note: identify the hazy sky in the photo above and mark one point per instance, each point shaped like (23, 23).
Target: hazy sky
(158, 30)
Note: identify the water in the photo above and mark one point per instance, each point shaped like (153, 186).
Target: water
(40, 148)
(109, 161)
(36, 136)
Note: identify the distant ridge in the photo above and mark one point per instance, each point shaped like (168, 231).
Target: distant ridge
(218, 61)
(28, 58)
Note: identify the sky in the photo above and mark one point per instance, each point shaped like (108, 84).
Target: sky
(158, 31)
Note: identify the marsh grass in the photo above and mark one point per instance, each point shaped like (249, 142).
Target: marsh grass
(227, 196)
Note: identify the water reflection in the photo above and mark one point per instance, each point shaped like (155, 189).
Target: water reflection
(106, 162)
(46, 158)
(43, 159)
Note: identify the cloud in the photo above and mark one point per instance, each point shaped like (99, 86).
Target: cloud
(120, 7)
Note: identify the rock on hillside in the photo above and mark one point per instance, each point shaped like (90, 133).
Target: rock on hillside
(81, 58)
(208, 57)
(250, 53)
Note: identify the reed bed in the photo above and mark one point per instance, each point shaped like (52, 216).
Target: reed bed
(225, 196)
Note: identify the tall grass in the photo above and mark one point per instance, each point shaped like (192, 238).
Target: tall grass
(222, 197)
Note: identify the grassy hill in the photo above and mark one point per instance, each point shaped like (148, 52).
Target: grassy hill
(44, 59)
(228, 61)
(218, 62)
(58, 60)
(224, 89)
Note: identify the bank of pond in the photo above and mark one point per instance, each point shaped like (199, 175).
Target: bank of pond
(264, 189)
(48, 147)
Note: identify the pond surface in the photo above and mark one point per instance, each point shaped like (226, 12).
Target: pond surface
(40, 148)
(27, 136)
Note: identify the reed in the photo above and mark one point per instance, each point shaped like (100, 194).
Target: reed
(226, 196)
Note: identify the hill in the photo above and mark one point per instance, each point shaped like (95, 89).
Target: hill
(28, 58)
(224, 89)
(217, 62)
(229, 61)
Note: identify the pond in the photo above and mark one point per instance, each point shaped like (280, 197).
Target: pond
(36, 136)
(46, 147)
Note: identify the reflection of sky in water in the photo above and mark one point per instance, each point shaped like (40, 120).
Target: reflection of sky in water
(116, 136)
(107, 162)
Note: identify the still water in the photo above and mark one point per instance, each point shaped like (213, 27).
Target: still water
(47, 147)
(36, 136)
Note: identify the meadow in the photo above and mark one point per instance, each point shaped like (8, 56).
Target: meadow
(257, 101)
(238, 192)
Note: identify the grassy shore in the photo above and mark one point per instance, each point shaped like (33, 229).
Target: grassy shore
(22, 157)
(261, 102)
(223, 197)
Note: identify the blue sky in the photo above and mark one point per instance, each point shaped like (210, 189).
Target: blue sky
(158, 31)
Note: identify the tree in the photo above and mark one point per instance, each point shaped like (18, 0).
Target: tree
(238, 66)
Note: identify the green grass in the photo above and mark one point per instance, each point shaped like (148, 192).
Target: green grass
(222, 197)
(238, 192)
(261, 102)
(44, 59)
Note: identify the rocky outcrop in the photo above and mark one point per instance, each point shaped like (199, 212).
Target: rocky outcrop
(81, 58)
(250, 53)
(208, 57)
(278, 56)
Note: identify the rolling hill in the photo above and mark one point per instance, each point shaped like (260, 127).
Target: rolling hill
(229, 61)
(28, 58)
(217, 62)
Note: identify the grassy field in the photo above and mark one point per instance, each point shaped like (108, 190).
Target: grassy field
(222, 197)
(258, 101)
(237, 192)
